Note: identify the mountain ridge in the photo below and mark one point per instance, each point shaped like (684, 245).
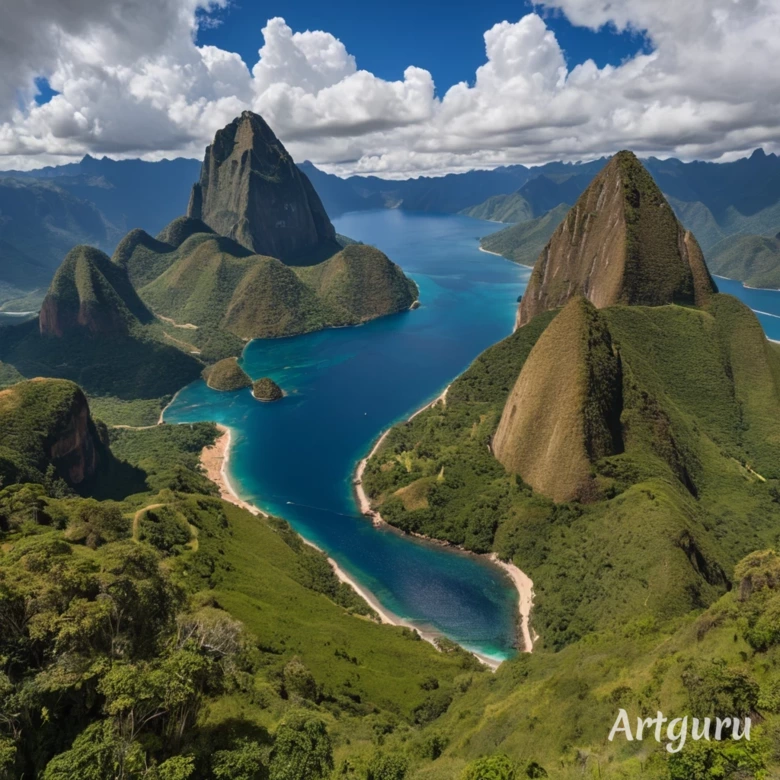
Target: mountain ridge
(620, 243)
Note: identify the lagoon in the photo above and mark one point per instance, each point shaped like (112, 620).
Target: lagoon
(296, 458)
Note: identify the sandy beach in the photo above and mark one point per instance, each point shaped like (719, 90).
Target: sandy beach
(522, 582)
(488, 252)
(525, 589)
(215, 460)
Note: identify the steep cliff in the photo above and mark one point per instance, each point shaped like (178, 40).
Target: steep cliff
(47, 421)
(251, 190)
(620, 243)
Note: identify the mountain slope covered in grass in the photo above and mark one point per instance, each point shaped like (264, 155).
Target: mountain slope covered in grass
(173, 635)
(625, 458)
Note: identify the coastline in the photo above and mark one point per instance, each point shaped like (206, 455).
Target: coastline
(363, 501)
(747, 286)
(522, 583)
(488, 252)
(215, 460)
(160, 420)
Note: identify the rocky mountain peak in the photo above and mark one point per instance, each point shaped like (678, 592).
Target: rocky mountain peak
(620, 243)
(251, 191)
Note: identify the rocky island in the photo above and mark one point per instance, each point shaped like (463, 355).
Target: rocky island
(265, 389)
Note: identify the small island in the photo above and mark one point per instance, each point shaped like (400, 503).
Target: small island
(226, 375)
(265, 389)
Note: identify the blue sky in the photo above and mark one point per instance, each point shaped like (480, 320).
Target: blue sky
(444, 38)
(391, 89)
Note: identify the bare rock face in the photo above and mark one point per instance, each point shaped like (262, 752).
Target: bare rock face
(74, 446)
(251, 191)
(620, 244)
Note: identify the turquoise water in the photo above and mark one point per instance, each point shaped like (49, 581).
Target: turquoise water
(295, 458)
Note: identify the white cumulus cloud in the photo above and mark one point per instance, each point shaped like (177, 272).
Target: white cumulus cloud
(133, 82)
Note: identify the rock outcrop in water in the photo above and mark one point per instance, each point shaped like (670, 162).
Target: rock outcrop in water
(250, 190)
(226, 375)
(620, 243)
(265, 389)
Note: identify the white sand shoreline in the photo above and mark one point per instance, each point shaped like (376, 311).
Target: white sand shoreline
(521, 581)
(488, 252)
(215, 460)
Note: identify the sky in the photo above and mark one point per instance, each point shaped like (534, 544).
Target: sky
(391, 89)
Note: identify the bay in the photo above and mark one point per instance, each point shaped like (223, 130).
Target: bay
(295, 458)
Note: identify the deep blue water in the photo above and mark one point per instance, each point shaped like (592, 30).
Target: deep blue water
(295, 458)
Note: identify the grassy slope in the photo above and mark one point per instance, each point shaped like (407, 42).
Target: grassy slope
(686, 505)
(232, 296)
(523, 242)
(754, 260)
(288, 598)
(557, 710)
(366, 680)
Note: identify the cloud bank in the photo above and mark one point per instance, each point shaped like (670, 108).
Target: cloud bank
(132, 82)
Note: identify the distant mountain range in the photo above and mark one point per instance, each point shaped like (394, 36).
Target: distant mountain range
(256, 257)
(46, 212)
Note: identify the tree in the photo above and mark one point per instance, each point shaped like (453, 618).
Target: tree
(498, 767)
(243, 762)
(706, 760)
(302, 749)
(384, 767)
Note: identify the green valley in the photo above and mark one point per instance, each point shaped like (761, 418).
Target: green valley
(166, 633)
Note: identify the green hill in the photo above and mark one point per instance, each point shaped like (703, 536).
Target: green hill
(523, 242)
(231, 296)
(754, 260)
(536, 197)
(226, 375)
(43, 423)
(502, 208)
(689, 492)
(93, 329)
(90, 292)
(563, 414)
